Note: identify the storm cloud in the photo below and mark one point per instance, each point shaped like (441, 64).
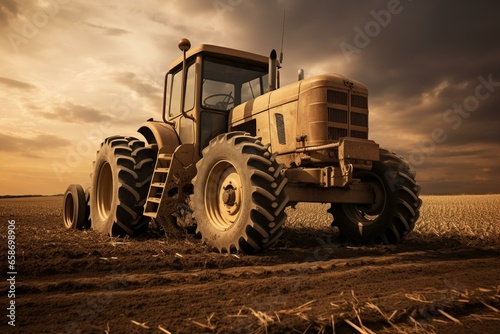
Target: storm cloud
(432, 68)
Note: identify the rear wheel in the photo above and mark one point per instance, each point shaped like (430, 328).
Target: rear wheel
(75, 213)
(396, 207)
(239, 199)
(120, 183)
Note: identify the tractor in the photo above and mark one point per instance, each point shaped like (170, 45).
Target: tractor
(237, 149)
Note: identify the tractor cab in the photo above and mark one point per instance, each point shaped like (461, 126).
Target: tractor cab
(204, 85)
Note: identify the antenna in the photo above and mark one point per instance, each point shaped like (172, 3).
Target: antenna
(280, 60)
(282, 36)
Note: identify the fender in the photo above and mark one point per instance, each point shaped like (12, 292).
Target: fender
(161, 134)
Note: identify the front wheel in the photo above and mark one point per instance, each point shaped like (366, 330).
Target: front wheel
(239, 196)
(395, 210)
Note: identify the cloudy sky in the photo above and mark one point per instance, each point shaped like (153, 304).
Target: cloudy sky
(73, 72)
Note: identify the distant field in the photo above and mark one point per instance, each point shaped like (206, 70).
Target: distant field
(473, 220)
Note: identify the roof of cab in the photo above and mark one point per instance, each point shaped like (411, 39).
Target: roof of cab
(206, 48)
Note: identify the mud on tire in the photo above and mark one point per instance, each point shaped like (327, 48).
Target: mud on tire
(120, 183)
(239, 196)
(396, 207)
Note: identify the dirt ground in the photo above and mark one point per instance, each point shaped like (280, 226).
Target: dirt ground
(72, 281)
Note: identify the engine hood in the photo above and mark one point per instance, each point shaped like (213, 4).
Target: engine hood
(291, 92)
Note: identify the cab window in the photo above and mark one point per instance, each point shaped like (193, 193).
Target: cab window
(226, 83)
(174, 98)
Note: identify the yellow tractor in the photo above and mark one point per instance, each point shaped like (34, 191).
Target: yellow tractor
(239, 150)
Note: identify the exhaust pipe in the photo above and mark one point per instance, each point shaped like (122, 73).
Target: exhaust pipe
(272, 70)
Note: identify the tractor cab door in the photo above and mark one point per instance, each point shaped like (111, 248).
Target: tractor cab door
(218, 97)
(184, 125)
(226, 83)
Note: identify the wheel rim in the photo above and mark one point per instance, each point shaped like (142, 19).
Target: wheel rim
(363, 214)
(104, 192)
(223, 195)
(69, 211)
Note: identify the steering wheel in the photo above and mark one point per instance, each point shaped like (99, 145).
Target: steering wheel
(220, 104)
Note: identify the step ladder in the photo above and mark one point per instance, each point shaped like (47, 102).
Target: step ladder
(172, 171)
(158, 183)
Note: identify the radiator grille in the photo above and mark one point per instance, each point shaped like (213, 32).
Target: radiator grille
(337, 115)
(333, 96)
(359, 101)
(359, 119)
(346, 111)
(336, 133)
(359, 134)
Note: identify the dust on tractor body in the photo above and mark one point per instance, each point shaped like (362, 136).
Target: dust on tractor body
(240, 151)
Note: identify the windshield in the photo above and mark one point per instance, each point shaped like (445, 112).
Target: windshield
(227, 84)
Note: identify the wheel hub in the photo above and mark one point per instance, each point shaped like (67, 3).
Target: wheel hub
(104, 192)
(68, 213)
(365, 215)
(229, 202)
(223, 195)
(229, 196)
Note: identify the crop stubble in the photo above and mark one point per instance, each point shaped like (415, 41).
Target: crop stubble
(444, 277)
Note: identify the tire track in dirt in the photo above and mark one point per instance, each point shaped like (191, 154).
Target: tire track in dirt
(417, 259)
(81, 281)
(385, 281)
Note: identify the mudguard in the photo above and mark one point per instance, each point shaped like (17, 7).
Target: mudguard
(161, 134)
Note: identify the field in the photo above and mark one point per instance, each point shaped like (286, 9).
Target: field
(445, 278)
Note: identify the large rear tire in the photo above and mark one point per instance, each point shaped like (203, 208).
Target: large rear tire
(396, 207)
(120, 183)
(239, 196)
